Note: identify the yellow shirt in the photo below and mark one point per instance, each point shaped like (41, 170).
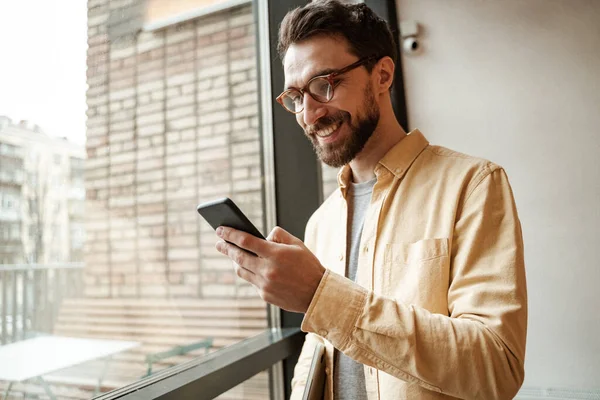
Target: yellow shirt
(439, 307)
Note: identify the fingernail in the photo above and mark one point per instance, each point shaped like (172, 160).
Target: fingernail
(220, 231)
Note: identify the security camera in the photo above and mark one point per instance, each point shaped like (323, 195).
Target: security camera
(410, 45)
(409, 32)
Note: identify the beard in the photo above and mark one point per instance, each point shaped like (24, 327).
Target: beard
(342, 152)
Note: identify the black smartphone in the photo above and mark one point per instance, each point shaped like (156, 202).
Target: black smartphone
(224, 212)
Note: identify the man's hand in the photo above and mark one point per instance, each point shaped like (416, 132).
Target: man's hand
(283, 270)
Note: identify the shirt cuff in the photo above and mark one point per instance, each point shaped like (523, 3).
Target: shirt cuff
(334, 309)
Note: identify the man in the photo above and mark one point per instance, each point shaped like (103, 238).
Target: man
(412, 273)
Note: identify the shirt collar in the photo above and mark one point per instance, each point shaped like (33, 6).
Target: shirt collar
(397, 160)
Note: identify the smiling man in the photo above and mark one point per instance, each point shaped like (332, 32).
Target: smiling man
(412, 273)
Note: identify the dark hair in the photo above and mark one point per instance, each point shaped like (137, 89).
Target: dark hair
(367, 34)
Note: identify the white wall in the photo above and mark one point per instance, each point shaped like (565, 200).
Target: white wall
(518, 82)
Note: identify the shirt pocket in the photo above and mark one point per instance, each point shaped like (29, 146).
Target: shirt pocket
(418, 273)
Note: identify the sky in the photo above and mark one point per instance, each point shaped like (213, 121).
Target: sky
(43, 47)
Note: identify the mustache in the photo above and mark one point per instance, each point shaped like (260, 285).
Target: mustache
(324, 122)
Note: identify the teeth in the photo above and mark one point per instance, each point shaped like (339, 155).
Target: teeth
(327, 131)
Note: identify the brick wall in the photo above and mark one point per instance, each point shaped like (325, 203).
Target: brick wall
(172, 121)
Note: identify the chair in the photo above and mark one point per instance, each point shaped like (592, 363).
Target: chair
(176, 351)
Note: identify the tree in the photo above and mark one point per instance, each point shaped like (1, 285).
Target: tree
(41, 210)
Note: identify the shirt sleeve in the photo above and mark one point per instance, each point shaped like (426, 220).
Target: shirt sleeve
(477, 350)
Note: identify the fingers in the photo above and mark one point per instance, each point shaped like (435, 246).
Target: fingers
(244, 240)
(246, 274)
(247, 266)
(242, 259)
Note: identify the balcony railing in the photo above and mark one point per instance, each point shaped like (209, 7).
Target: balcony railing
(30, 295)
(11, 215)
(11, 152)
(12, 178)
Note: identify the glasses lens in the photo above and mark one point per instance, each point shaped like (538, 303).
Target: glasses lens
(320, 89)
(292, 100)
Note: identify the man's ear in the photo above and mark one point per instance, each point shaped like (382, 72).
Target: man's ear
(384, 70)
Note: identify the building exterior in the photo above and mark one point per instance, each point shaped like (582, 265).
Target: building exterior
(11, 188)
(172, 122)
(42, 196)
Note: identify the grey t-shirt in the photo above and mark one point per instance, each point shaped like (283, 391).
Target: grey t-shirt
(348, 375)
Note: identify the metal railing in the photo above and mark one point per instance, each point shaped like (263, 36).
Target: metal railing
(31, 294)
(207, 377)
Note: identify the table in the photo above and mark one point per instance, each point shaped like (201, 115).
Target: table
(32, 358)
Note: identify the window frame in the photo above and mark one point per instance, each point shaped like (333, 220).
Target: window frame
(209, 376)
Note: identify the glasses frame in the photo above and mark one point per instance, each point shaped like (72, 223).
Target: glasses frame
(329, 77)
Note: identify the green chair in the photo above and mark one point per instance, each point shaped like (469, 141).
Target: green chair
(176, 351)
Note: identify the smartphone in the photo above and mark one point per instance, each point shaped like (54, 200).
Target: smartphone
(224, 212)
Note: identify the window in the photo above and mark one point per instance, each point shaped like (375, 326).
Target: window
(172, 121)
(10, 198)
(16, 231)
(9, 149)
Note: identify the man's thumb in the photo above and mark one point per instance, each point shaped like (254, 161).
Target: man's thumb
(280, 235)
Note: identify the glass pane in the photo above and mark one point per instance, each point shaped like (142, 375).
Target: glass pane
(108, 273)
(255, 388)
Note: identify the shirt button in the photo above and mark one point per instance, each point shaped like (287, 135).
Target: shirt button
(366, 249)
(323, 332)
(370, 371)
(341, 257)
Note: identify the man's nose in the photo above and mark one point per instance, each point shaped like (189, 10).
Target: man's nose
(313, 110)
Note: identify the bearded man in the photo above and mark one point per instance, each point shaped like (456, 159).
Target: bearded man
(412, 272)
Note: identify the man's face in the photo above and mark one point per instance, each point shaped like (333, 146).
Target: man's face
(340, 128)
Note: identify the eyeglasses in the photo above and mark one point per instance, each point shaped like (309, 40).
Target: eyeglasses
(319, 88)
